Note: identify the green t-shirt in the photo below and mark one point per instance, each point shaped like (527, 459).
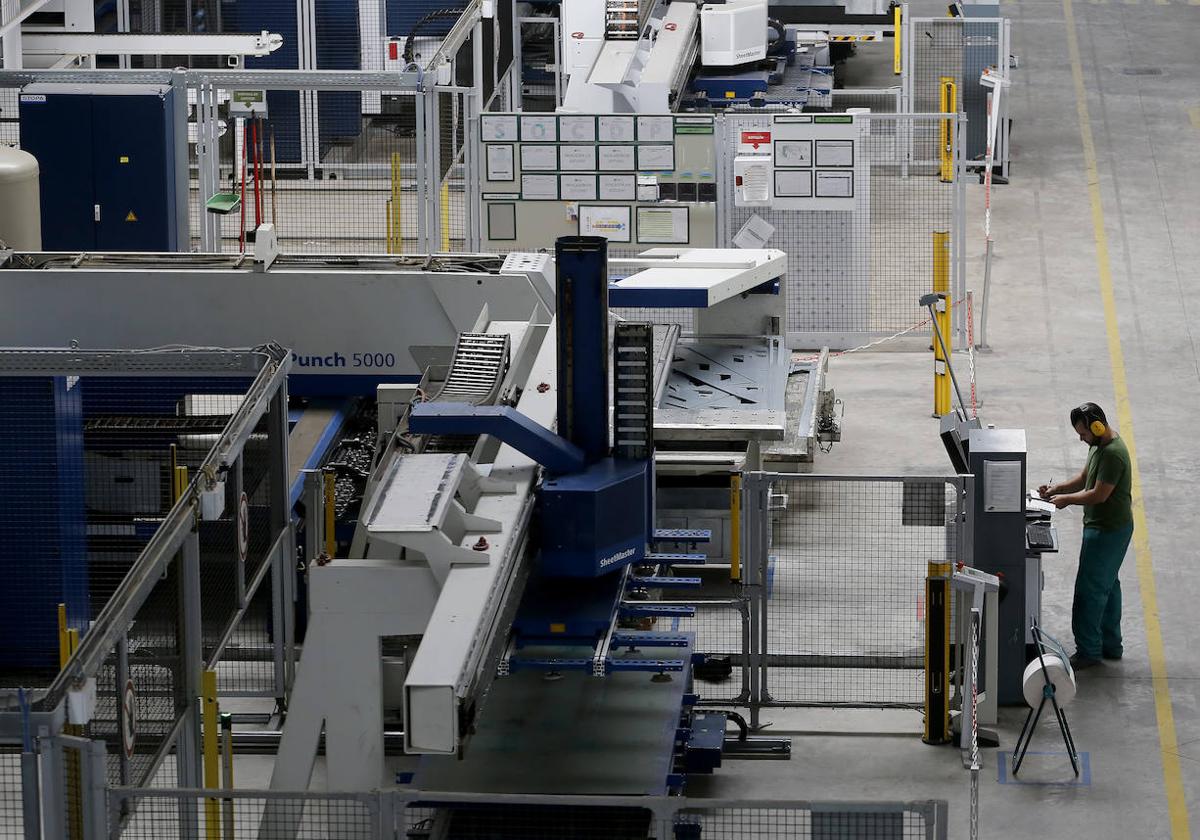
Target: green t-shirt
(1109, 464)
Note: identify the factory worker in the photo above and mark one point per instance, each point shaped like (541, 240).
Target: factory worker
(1103, 489)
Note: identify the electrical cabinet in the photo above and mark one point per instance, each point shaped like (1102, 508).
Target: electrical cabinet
(997, 460)
(107, 160)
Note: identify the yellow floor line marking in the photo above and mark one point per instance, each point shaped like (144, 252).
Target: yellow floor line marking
(1167, 741)
(1194, 113)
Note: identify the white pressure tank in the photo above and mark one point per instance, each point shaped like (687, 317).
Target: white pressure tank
(20, 201)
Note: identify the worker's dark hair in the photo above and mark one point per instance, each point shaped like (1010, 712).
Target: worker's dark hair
(1086, 414)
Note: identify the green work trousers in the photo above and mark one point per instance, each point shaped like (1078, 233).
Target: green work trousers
(1096, 613)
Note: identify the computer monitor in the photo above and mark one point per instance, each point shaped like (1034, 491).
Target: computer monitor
(956, 433)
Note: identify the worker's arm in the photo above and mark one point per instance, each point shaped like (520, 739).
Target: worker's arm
(1071, 485)
(1097, 495)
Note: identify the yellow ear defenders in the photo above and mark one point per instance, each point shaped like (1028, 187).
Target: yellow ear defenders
(1095, 425)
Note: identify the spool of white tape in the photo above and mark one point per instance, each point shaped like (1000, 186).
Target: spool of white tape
(1061, 677)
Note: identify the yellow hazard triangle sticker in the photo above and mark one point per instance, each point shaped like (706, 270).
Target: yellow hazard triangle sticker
(131, 217)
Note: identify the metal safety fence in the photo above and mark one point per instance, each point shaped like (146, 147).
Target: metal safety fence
(412, 815)
(843, 562)
(858, 274)
(150, 489)
(958, 49)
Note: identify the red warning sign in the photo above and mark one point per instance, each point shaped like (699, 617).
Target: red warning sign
(756, 138)
(577, 35)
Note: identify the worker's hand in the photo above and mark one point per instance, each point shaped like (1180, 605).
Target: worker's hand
(1059, 502)
(1044, 491)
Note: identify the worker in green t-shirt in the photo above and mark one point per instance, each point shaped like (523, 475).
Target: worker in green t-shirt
(1103, 488)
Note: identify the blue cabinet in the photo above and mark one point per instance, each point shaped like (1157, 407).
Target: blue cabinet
(107, 161)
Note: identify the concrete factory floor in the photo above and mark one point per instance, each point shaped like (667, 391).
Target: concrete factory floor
(1094, 287)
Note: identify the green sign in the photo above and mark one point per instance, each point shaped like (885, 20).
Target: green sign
(834, 118)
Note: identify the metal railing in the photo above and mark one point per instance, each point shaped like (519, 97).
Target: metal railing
(170, 576)
(843, 561)
(393, 815)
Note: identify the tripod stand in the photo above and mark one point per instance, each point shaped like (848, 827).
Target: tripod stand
(1046, 645)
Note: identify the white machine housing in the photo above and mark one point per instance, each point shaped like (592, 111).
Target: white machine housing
(733, 33)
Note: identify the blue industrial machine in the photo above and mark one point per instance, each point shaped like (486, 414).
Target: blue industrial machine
(107, 157)
(595, 505)
(585, 611)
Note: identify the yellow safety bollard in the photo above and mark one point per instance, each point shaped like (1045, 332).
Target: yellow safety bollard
(330, 525)
(68, 641)
(941, 287)
(445, 217)
(897, 39)
(396, 243)
(735, 528)
(937, 654)
(209, 715)
(949, 105)
(64, 643)
(179, 483)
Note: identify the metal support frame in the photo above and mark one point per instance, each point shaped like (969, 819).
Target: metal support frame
(758, 501)
(518, 86)
(283, 580)
(208, 159)
(192, 646)
(385, 810)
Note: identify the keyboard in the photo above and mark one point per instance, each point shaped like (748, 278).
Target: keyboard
(1040, 537)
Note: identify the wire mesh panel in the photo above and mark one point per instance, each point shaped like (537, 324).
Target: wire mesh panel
(72, 787)
(959, 49)
(859, 273)
(154, 814)
(101, 447)
(355, 192)
(844, 594)
(937, 53)
(12, 822)
(150, 696)
(880, 101)
(833, 821)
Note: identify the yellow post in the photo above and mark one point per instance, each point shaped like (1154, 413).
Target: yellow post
(735, 527)
(941, 287)
(68, 641)
(897, 40)
(396, 245)
(949, 105)
(330, 541)
(212, 757)
(181, 482)
(445, 217)
(64, 641)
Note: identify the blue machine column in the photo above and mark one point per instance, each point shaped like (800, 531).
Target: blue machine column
(582, 317)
